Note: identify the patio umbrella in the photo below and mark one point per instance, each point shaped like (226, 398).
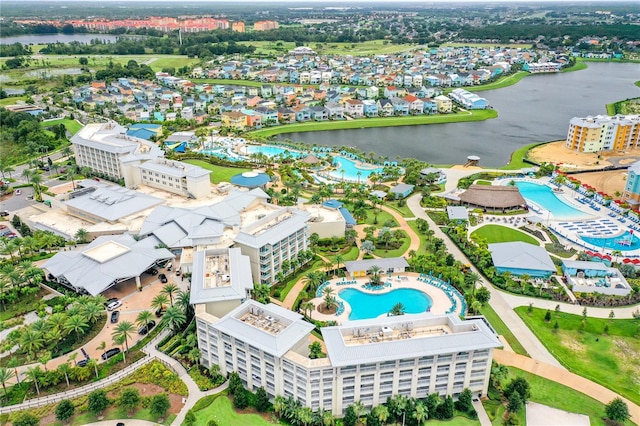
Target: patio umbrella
(635, 261)
(626, 260)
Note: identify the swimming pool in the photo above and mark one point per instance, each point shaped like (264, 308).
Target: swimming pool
(543, 196)
(351, 170)
(272, 151)
(367, 305)
(624, 242)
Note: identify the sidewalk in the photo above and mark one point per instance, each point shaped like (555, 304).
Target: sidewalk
(526, 337)
(564, 377)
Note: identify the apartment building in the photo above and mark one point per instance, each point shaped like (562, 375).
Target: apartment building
(238, 26)
(603, 133)
(368, 360)
(632, 186)
(105, 148)
(265, 25)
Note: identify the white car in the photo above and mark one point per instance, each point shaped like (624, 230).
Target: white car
(18, 191)
(114, 305)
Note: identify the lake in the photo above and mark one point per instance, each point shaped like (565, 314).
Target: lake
(56, 38)
(537, 109)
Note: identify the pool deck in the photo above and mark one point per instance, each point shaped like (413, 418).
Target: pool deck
(602, 222)
(440, 301)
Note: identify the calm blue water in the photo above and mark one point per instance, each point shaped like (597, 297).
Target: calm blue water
(367, 305)
(610, 243)
(544, 197)
(351, 170)
(273, 151)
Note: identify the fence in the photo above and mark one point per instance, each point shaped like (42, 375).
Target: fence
(52, 399)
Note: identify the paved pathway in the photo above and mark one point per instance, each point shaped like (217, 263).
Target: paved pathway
(526, 337)
(564, 377)
(483, 417)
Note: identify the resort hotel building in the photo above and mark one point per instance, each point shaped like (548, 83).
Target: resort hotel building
(368, 360)
(107, 149)
(603, 133)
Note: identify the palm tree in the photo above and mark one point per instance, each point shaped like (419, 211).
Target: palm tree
(76, 324)
(73, 357)
(5, 376)
(124, 329)
(279, 405)
(44, 359)
(102, 346)
(470, 280)
(92, 311)
(307, 307)
(397, 309)
(82, 236)
(420, 413)
(31, 341)
(93, 363)
(64, 369)
(382, 413)
(358, 407)
(159, 302)
(26, 173)
(33, 374)
(374, 275)
(120, 340)
(339, 259)
(144, 318)
(304, 415)
(170, 289)
(174, 318)
(36, 180)
(15, 363)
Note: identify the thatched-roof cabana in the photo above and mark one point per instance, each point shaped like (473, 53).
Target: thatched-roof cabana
(311, 159)
(493, 197)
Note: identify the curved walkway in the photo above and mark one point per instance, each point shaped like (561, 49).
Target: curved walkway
(564, 377)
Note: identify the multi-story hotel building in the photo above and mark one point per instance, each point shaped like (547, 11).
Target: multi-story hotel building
(238, 26)
(173, 176)
(603, 133)
(105, 147)
(368, 360)
(265, 25)
(632, 186)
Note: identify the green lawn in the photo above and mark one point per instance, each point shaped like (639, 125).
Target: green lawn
(352, 254)
(116, 414)
(501, 82)
(579, 65)
(517, 157)
(476, 115)
(11, 100)
(221, 410)
(371, 47)
(483, 182)
(502, 329)
(487, 45)
(609, 359)
(405, 211)
(381, 217)
(72, 125)
(406, 242)
(502, 234)
(220, 173)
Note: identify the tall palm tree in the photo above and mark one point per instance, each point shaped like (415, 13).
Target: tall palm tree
(420, 413)
(170, 289)
(64, 369)
(144, 318)
(120, 340)
(31, 341)
(183, 300)
(124, 329)
(307, 306)
(44, 359)
(33, 374)
(279, 405)
(92, 311)
(36, 180)
(15, 363)
(93, 363)
(5, 376)
(27, 173)
(82, 236)
(160, 301)
(174, 318)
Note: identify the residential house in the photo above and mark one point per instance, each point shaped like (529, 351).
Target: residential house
(416, 106)
(385, 108)
(400, 106)
(319, 113)
(335, 110)
(286, 115)
(303, 113)
(354, 108)
(444, 104)
(234, 119)
(370, 108)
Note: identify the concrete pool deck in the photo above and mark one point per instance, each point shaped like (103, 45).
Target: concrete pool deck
(440, 301)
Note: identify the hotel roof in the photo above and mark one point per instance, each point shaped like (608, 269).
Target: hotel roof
(270, 328)
(397, 337)
(220, 274)
(106, 261)
(520, 255)
(112, 137)
(174, 168)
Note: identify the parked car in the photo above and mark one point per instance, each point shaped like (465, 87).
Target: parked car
(110, 353)
(30, 197)
(109, 301)
(114, 316)
(4, 213)
(152, 271)
(146, 328)
(114, 305)
(163, 278)
(18, 192)
(178, 273)
(83, 362)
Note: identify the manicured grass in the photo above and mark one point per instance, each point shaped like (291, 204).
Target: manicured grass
(611, 108)
(291, 282)
(501, 82)
(116, 414)
(516, 162)
(637, 83)
(365, 48)
(496, 410)
(608, 359)
(579, 65)
(72, 125)
(381, 216)
(170, 61)
(502, 329)
(483, 182)
(405, 211)
(544, 391)
(221, 410)
(476, 115)
(352, 254)
(382, 252)
(220, 173)
(509, 45)
(502, 234)
(11, 100)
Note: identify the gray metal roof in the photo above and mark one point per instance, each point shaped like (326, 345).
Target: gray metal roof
(112, 202)
(111, 137)
(401, 188)
(239, 280)
(587, 265)
(457, 213)
(83, 271)
(521, 255)
(274, 233)
(276, 344)
(465, 336)
(383, 264)
(174, 168)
